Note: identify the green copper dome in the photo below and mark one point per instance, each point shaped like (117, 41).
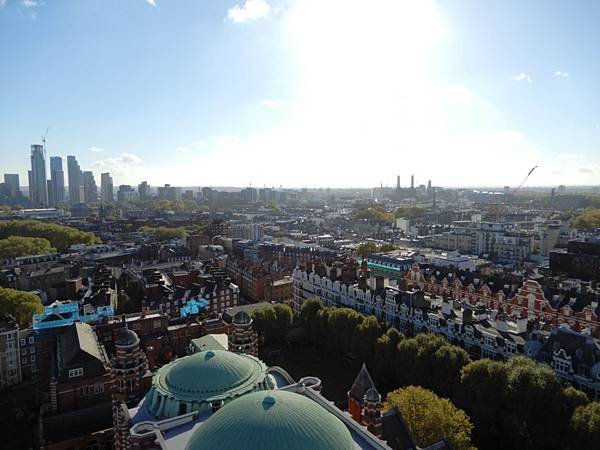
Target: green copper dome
(196, 382)
(209, 372)
(277, 420)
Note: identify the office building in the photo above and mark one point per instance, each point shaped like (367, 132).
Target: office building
(38, 190)
(127, 194)
(12, 181)
(76, 191)
(90, 189)
(106, 188)
(56, 184)
(144, 190)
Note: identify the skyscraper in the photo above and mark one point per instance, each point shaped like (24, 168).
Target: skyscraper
(90, 189)
(144, 190)
(56, 185)
(38, 190)
(12, 180)
(106, 188)
(76, 192)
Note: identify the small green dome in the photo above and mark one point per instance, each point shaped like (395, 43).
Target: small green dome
(194, 383)
(278, 420)
(209, 372)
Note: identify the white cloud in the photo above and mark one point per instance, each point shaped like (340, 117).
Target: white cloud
(561, 74)
(252, 10)
(523, 77)
(122, 159)
(95, 149)
(151, 2)
(271, 103)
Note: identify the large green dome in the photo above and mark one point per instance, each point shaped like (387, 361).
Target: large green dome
(204, 379)
(278, 420)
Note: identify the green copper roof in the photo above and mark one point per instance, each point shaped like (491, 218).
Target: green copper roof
(277, 420)
(202, 378)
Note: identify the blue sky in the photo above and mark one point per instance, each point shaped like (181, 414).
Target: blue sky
(305, 93)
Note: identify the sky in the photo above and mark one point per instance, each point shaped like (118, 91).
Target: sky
(305, 93)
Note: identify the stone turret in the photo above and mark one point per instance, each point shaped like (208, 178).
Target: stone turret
(243, 338)
(371, 412)
(129, 368)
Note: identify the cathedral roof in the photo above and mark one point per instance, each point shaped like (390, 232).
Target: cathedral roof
(272, 420)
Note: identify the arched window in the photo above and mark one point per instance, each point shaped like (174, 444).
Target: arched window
(182, 409)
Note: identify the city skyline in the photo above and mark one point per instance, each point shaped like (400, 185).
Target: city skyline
(268, 94)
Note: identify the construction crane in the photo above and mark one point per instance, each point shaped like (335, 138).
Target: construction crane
(525, 179)
(44, 138)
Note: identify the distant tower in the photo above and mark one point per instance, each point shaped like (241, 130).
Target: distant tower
(38, 186)
(429, 187)
(371, 412)
(129, 367)
(398, 182)
(412, 181)
(243, 338)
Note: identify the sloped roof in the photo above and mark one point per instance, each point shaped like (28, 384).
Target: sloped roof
(362, 384)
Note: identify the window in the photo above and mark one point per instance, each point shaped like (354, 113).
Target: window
(23, 360)
(31, 350)
(76, 372)
(22, 341)
(98, 389)
(156, 324)
(23, 351)
(562, 366)
(32, 358)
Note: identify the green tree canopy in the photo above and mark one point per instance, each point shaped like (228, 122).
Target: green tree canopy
(20, 305)
(431, 418)
(588, 220)
(310, 308)
(376, 213)
(15, 246)
(585, 427)
(59, 236)
(165, 233)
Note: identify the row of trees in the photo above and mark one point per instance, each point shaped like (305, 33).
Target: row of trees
(366, 249)
(19, 305)
(15, 246)
(59, 236)
(165, 233)
(376, 213)
(519, 404)
(272, 322)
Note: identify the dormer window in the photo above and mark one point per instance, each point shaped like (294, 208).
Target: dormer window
(75, 372)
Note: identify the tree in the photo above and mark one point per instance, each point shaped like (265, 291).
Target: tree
(15, 246)
(124, 304)
(264, 322)
(366, 249)
(369, 330)
(588, 220)
(386, 248)
(482, 381)
(585, 427)
(430, 418)
(310, 308)
(60, 237)
(283, 320)
(20, 305)
(384, 354)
